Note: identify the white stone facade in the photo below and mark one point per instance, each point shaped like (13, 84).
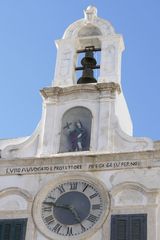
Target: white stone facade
(127, 167)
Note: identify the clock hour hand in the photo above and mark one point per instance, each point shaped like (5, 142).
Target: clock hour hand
(58, 205)
(51, 203)
(65, 206)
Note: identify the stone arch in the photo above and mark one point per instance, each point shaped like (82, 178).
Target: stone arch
(129, 185)
(76, 130)
(14, 199)
(130, 193)
(18, 191)
(99, 25)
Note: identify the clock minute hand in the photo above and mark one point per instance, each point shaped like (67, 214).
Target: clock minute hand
(73, 210)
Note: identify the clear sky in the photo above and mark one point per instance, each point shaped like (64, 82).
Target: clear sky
(28, 29)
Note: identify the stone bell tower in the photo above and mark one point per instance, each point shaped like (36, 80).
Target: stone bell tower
(82, 175)
(98, 105)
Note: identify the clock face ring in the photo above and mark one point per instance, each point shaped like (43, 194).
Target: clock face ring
(73, 207)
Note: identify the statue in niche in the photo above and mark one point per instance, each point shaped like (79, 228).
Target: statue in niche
(75, 132)
(77, 136)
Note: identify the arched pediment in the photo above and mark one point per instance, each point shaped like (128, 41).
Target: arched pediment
(132, 194)
(16, 191)
(14, 199)
(91, 25)
(131, 186)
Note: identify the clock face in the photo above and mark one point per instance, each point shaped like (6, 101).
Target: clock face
(72, 208)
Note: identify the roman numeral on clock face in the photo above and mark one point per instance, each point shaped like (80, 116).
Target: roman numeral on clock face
(57, 228)
(93, 195)
(52, 198)
(69, 231)
(61, 189)
(92, 218)
(73, 185)
(96, 206)
(85, 188)
(83, 228)
(47, 209)
(49, 219)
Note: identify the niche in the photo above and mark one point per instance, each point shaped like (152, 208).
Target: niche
(76, 130)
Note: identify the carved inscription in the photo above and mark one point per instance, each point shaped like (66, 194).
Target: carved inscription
(70, 167)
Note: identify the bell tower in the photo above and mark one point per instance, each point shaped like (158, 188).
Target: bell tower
(89, 33)
(82, 175)
(88, 112)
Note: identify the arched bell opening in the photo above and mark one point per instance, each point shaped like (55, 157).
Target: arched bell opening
(88, 61)
(76, 130)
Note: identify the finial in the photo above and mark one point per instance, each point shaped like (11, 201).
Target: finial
(90, 13)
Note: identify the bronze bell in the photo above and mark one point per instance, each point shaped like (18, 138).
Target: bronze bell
(88, 63)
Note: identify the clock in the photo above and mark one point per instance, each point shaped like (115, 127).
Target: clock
(71, 207)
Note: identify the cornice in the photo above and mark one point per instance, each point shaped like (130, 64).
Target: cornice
(82, 162)
(61, 91)
(84, 157)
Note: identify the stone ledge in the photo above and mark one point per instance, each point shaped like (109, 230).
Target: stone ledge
(83, 157)
(60, 91)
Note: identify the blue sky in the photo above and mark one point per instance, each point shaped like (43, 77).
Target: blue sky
(28, 29)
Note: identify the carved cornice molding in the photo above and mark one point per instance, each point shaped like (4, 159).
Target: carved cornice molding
(77, 157)
(50, 92)
(86, 162)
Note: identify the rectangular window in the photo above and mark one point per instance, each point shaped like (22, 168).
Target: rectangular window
(129, 227)
(13, 229)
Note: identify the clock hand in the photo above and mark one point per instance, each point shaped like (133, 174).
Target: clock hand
(51, 203)
(76, 215)
(58, 205)
(66, 206)
(63, 206)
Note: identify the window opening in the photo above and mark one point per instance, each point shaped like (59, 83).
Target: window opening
(129, 227)
(13, 229)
